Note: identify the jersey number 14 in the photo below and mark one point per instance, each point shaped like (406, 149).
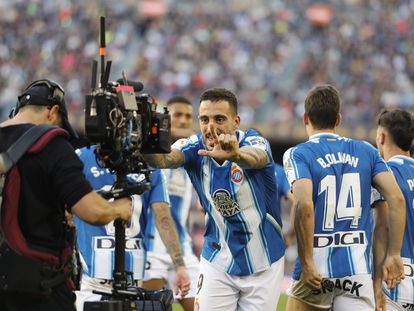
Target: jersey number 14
(349, 191)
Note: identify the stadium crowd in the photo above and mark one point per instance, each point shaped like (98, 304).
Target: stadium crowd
(268, 52)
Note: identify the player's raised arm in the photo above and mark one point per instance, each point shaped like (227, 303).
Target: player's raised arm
(393, 266)
(174, 159)
(226, 147)
(304, 225)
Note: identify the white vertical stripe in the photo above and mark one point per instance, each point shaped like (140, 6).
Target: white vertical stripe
(223, 259)
(102, 261)
(138, 264)
(358, 259)
(252, 218)
(320, 258)
(185, 210)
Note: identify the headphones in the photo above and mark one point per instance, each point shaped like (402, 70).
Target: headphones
(55, 96)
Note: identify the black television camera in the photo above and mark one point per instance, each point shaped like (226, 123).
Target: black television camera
(123, 124)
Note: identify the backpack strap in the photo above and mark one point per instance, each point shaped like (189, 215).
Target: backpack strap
(10, 157)
(34, 142)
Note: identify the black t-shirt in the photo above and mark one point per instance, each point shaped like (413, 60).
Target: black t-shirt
(50, 182)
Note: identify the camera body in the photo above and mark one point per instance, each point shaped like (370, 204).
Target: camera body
(124, 124)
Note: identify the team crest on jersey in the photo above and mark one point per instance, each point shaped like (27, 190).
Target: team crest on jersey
(225, 204)
(236, 174)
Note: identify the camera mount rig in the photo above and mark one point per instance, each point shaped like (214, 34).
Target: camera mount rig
(123, 125)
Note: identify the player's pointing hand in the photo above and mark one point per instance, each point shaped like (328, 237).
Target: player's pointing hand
(226, 146)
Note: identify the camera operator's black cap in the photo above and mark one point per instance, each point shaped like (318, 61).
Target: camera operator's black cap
(46, 93)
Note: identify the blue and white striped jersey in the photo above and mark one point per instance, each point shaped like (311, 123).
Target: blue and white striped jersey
(97, 243)
(180, 192)
(341, 171)
(403, 169)
(283, 186)
(243, 226)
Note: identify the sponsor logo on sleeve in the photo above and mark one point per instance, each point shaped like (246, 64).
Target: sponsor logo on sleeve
(257, 142)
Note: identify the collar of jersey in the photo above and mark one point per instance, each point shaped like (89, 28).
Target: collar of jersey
(323, 135)
(400, 156)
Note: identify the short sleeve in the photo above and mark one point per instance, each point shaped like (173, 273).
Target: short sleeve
(282, 182)
(66, 171)
(375, 196)
(189, 147)
(253, 139)
(158, 192)
(295, 165)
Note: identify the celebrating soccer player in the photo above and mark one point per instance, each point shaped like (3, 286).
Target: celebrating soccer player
(232, 171)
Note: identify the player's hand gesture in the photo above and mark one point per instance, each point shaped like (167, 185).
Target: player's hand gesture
(311, 277)
(226, 147)
(181, 283)
(393, 270)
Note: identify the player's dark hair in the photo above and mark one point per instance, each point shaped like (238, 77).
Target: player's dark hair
(400, 124)
(179, 99)
(218, 93)
(322, 106)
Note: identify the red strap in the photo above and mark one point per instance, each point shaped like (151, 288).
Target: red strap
(11, 203)
(48, 136)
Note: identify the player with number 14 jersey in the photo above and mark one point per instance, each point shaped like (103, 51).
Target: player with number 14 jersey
(341, 170)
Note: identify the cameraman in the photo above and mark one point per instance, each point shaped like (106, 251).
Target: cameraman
(51, 182)
(97, 244)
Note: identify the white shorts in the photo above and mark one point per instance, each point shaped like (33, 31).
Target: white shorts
(398, 306)
(88, 285)
(220, 291)
(342, 294)
(161, 267)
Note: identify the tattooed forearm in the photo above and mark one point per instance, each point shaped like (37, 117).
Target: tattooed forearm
(168, 232)
(251, 157)
(173, 159)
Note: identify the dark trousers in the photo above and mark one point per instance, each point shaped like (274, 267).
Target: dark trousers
(61, 299)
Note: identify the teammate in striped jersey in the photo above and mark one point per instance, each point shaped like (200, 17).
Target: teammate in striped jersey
(395, 135)
(159, 268)
(331, 179)
(232, 171)
(283, 186)
(97, 244)
(283, 189)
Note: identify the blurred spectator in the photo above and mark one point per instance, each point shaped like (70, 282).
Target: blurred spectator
(267, 51)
